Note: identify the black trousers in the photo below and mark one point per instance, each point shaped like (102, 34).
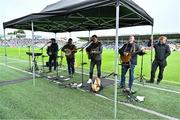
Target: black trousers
(98, 66)
(52, 62)
(70, 63)
(155, 65)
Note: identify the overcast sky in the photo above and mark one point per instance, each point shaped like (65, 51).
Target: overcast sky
(166, 14)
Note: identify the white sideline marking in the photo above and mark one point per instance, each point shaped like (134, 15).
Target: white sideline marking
(162, 89)
(171, 82)
(19, 69)
(14, 62)
(140, 108)
(16, 59)
(126, 104)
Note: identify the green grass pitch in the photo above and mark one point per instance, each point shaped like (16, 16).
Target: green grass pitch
(47, 100)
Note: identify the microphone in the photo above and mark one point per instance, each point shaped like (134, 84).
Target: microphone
(88, 43)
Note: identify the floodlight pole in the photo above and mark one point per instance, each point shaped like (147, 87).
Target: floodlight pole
(5, 51)
(32, 46)
(116, 59)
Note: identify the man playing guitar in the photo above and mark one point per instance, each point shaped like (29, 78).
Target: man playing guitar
(128, 55)
(94, 51)
(70, 50)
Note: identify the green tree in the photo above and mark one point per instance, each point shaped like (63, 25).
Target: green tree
(18, 33)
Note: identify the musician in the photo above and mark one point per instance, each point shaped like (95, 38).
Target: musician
(52, 51)
(132, 49)
(162, 51)
(94, 51)
(70, 50)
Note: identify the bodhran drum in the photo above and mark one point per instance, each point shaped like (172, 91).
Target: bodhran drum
(96, 85)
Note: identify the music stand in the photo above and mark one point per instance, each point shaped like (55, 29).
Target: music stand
(59, 78)
(59, 64)
(141, 76)
(35, 59)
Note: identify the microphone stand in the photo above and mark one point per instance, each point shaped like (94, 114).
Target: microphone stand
(42, 51)
(29, 58)
(82, 60)
(141, 76)
(60, 64)
(61, 58)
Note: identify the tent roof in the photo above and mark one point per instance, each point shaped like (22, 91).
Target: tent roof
(82, 15)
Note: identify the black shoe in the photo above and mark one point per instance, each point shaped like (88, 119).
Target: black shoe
(129, 91)
(157, 82)
(71, 76)
(121, 87)
(149, 81)
(132, 91)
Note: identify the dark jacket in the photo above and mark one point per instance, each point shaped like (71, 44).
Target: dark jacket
(71, 47)
(133, 48)
(53, 49)
(162, 51)
(95, 47)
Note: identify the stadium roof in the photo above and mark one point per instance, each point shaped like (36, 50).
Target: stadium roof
(82, 15)
(170, 37)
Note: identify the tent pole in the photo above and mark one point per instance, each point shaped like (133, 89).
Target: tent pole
(5, 51)
(152, 41)
(89, 35)
(32, 46)
(69, 34)
(116, 59)
(55, 35)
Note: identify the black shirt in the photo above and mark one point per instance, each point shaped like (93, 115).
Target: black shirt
(52, 49)
(162, 51)
(95, 47)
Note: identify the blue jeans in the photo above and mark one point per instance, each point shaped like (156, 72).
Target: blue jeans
(70, 63)
(123, 75)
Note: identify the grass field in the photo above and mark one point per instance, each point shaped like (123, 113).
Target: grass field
(171, 73)
(47, 100)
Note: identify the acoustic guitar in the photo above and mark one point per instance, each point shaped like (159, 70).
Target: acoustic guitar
(69, 52)
(125, 58)
(96, 85)
(93, 52)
